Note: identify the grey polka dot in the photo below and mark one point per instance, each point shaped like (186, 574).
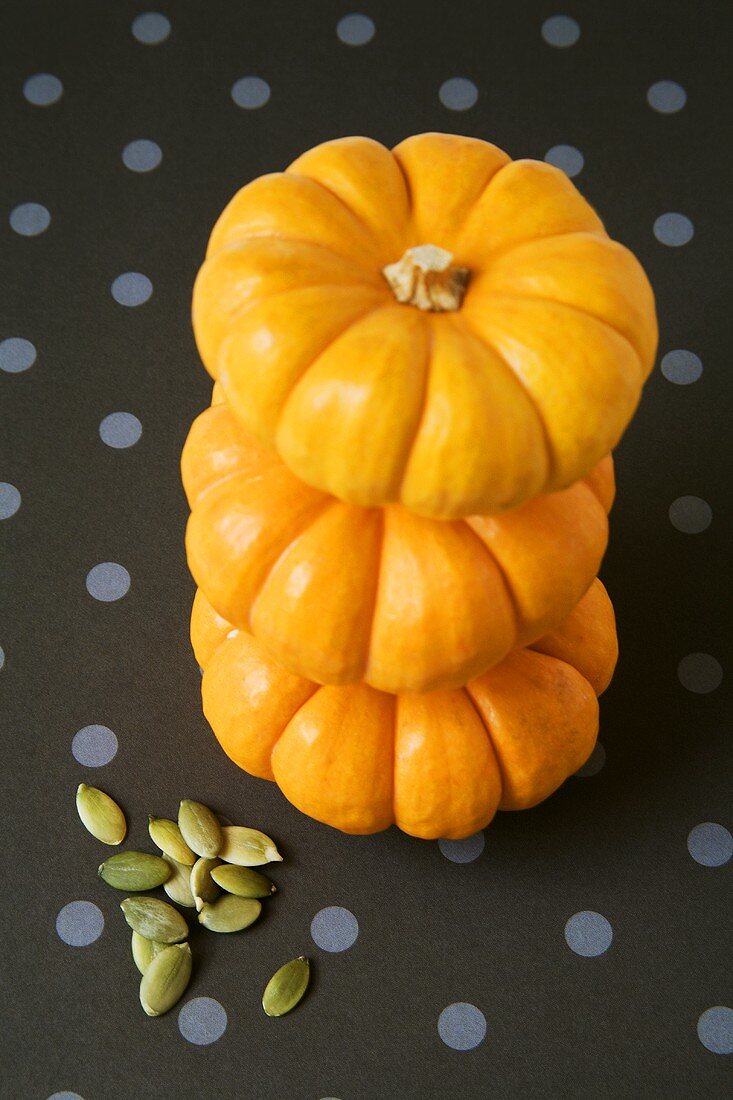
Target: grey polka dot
(65, 1096)
(94, 746)
(715, 1029)
(588, 934)
(151, 28)
(566, 157)
(462, 1026)
(667, 97)
(43, 89)
(2, 657)
(131, 289)
(142, 155)
(334, 929)
(463, 851)
(560, 30)
(594, 763)
(9, 500)
(29, 219)
(80, 923)
(250, 92)
(681, 366)
(458, 94)
(108, 581)
(355, 30)
(673, 229)
(699, 672)
(120, 430)
(202, 1021)
(690, 514)
(16, 355)
(710, 844)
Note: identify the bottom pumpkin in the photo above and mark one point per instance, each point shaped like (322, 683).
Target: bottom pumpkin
(439, 764)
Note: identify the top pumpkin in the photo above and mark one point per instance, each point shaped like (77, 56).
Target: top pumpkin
(437, 325)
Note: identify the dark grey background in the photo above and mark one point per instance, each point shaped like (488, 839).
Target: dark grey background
(431, 932)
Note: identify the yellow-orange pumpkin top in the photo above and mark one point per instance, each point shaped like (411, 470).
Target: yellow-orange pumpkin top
(436, 325)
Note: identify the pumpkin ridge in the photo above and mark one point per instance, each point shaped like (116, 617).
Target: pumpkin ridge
(494, 753)
(342, 202)
(423, 405)
(549, 451)
(503, 573)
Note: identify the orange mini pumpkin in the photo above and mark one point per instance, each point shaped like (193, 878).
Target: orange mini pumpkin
(438, 764)
(340, 594)
(435, 325)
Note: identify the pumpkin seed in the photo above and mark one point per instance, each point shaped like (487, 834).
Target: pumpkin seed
(144, 951)
(165, 980)
(155, 920)
(203, 886)
(167, 836)
(100, 815)
(229, 913)
(178, 886)
(286, 987)
(134, 871)
(247, 847)
(243, 881)
(199, 828)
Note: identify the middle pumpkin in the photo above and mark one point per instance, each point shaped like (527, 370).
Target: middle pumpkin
(340, 593)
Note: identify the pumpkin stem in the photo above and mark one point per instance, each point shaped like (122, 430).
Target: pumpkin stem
(424, 278)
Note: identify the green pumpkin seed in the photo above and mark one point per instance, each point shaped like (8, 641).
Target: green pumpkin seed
(165, 980)
(286, 987)
(144, 951)
(203, 886)
(247, 847)
(155, 920)
(178, 886)
(229, 913)
(242, 881)
(167, 836)
(100, 815)
(200, 828)
(134, 871)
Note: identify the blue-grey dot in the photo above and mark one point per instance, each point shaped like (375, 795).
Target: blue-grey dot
(2, 657)
(131, 289)
(458, 93)
(43, 89)
(94, 746)
(142, 155)
(202, 1021)
(80, 923)
(560, 30)
(567, 158)
(65, 1096)
(667, 97)
(594, 763)
(250, 92)
(462, 1026)
(29, 219)
(673, 229)
(710, 844)
(9, 500)
(334, 929)
(690, 515)
(355, 29)
(16, 355)
(588, 934)
(108, 581)
(463, 851)
(715, 1029)
(151, 28)
(120, 430)
(681, 367)
(700, 672)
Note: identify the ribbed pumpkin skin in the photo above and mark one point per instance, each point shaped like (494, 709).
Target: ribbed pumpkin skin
(520, 391)
(438, 764)
(340, 594)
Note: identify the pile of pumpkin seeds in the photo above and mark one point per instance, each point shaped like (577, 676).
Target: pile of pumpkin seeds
(204, 866)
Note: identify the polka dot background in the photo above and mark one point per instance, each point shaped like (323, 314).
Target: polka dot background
(437, 966)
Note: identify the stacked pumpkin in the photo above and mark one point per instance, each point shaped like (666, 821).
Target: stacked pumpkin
(399, 495)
